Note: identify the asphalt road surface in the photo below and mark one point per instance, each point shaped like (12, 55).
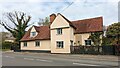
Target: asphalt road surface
(47, 59)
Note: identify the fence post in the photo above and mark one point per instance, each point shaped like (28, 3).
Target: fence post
(98, 50)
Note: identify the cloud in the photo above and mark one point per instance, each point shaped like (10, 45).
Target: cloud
(36, 9)
(80, 9)
(34, 1)
(83, 10)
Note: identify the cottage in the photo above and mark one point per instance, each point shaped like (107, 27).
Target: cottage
(61, 34)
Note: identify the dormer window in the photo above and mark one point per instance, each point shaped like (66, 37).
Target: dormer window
(33, 34)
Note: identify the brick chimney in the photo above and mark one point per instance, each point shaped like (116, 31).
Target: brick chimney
(52, 17)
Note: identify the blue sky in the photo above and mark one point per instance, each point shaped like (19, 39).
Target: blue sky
(80, 9)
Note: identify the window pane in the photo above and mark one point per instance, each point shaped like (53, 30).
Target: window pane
(87, 42)
(59, 44)
(37, 43)
(33, 33)
(59, 31)
(25, 44)
(62, 44)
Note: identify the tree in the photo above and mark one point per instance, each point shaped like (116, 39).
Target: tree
(106, 41)
(19, 22)
(44, 21)
(95, 37)
(113, 33)
(3, 36)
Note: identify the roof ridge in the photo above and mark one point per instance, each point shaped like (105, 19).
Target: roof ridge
(70, 23)
(87, 19)
(41, 26)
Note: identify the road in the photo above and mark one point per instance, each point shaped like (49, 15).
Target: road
(47, 59)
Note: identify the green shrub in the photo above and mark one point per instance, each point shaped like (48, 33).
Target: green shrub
(6, 45)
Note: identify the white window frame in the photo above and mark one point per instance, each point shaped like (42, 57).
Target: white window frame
(60, 44)
(88, 42)
(33, 34)
(59, 31)
(37, 43)
(25, 44)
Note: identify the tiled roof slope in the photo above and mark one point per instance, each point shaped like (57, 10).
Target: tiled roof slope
(43, 34)
(88, 25)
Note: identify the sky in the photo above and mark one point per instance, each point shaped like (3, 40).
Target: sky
(71, 9)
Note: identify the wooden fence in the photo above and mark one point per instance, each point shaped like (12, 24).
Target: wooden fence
(103, 50)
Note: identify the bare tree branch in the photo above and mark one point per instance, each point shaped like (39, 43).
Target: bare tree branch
(11, 17)
(6, 27)
(20, 20)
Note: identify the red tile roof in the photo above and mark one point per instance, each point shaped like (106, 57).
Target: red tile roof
(88, 25)
(81, 26)
(43, 34)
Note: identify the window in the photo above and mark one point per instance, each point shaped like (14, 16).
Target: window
(87, 42)
(25, 44)
(37, 43)
(59, 44)
(59, 31)
(33, 33)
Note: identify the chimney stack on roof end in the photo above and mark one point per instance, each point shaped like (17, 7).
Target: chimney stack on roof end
(52, 18)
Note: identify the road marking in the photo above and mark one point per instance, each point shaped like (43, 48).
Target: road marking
(28, 59)
(9, 57)
(85, 64)
(43, 60)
